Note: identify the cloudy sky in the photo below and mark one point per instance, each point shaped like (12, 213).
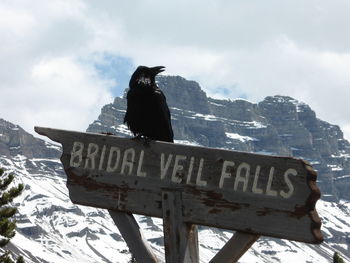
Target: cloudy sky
(62, 60)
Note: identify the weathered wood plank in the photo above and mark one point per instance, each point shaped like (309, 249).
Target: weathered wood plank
(235, 217)
(235, 248)
(180, 239)
(132, 235)
(257, 194)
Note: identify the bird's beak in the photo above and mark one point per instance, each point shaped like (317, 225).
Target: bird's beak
(157, 70)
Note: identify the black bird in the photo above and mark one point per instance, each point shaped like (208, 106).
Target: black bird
(147, 114)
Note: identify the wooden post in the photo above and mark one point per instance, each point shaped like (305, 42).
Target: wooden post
(132, 235)
(235, 248)
(180, 239)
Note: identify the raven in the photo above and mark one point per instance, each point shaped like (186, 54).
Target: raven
(147, 114)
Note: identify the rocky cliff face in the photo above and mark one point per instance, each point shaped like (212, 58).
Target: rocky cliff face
(277, 125)
(50, 228)
(15, 141)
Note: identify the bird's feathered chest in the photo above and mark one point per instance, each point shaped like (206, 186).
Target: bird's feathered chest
(145, 104)
(143, 98)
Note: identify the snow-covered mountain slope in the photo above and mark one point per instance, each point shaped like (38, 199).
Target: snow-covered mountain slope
(52, 229)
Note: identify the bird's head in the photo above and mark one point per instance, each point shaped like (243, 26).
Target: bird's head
(145, 76)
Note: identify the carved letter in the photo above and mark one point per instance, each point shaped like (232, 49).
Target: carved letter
(199, 181)
(288, 183)
(164, 167)
(225, 174)
(139, 166)
(76, 155)
(242, 179)
(128, 162)
(102, 157)
(190, 170)
(112, 168)
(255, 188)
(91, 154)
(177, 168)
(269, 191)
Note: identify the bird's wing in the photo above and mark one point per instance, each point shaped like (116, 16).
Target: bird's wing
(165, 118)
(134, 99)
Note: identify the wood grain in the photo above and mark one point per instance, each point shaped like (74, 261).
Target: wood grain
(255, 194)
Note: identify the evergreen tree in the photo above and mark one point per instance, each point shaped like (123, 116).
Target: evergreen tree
(337, 258)
(7, 225)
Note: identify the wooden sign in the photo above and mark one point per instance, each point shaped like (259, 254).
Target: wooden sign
(251, 193)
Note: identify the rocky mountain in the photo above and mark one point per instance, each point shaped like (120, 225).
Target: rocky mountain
(52, 229)
(278, 125)
(16, 141)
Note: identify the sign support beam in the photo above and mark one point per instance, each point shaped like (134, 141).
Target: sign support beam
(235, 248)
(180, 239)
(132, 235)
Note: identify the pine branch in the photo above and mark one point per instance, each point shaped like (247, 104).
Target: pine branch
(5, 258)
(7, 212)
(337, 258)
(6, 181)
(8, 196)
(4, 242)
(7, 226)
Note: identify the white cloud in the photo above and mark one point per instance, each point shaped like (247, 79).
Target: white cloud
(42, 77)
(58, 93)
(258, 48)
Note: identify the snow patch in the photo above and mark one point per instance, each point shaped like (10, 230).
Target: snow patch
(236, 136)
(216, 104)
(207, 117)
(186, 142)
(53, 146)
(335, 167)
(122, 128)
(342, 177)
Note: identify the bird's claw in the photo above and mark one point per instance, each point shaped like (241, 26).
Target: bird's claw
(145, 140)
(137, 137)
